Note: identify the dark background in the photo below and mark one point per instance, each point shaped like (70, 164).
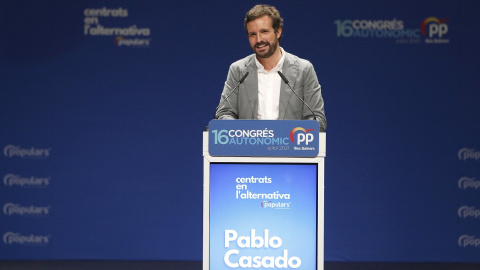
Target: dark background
(124, 125)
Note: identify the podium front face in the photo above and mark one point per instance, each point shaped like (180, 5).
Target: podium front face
(262, 212)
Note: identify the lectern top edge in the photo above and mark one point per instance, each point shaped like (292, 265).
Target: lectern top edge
(264, 138)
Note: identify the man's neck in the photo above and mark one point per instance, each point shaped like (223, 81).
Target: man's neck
(272, 61)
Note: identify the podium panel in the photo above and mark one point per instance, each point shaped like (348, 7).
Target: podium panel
(263, 212)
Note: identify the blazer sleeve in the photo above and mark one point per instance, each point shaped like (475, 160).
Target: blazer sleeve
(313, 97)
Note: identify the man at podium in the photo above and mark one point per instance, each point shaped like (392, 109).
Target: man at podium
(271, 83)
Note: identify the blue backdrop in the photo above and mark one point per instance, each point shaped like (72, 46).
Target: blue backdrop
(103, 104)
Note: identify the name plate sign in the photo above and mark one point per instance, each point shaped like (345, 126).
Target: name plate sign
(265, 138)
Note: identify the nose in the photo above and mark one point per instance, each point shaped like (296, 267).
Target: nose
(259, 38)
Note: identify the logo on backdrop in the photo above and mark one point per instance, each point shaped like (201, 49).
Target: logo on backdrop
(468, 153)
(431, 30)
(10, 238)
(10, 180)
(10, 209)
(11, 151)
(468, 182)
(468, 241)
(434, 30)
(131, 36)
(468, 212)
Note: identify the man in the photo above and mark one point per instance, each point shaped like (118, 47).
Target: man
(263, 94)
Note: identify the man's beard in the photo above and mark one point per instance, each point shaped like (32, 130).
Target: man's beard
(271, 49)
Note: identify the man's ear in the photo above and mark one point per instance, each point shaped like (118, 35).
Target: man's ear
(279, 32)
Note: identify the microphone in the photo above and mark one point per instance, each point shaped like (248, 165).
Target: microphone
(286, 81)
(238, 84)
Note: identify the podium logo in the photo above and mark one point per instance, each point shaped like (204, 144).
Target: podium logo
(468, 240)
(468, 153)
(302, 136)
(10, 238)
(12, 151)
(275, 205)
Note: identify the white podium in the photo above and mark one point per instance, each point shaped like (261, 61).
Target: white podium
(263, 212)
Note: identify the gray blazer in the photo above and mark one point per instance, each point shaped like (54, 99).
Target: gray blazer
(243, 103)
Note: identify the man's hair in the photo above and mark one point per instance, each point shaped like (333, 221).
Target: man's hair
(262, 10)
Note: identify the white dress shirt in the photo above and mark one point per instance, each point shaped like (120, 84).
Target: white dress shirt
(269, 90)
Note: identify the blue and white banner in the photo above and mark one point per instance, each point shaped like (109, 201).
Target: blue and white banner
(268, 138)
(263, 216)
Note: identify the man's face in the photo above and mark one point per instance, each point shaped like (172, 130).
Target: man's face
(262, 37)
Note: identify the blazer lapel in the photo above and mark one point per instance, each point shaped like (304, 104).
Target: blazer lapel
(251, 86)
(290, 70)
